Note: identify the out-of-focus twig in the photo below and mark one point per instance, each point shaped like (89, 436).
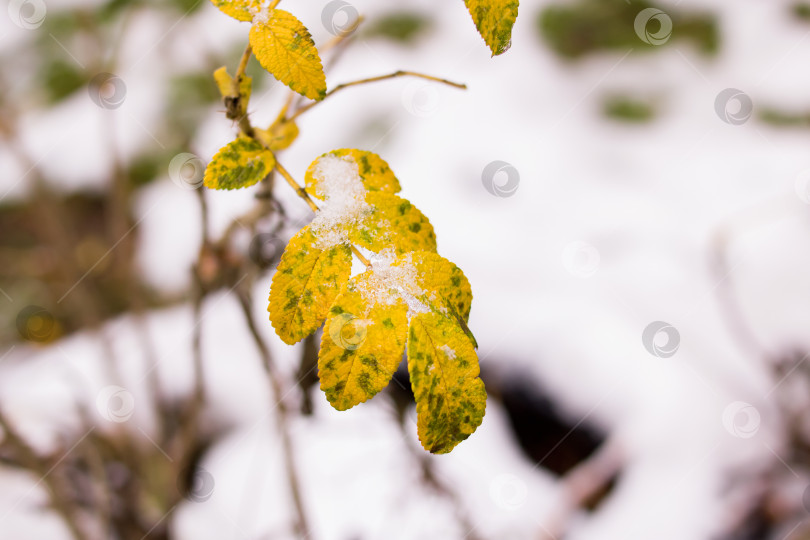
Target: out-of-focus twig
(580, 484)
(282, 417)
(60, 496)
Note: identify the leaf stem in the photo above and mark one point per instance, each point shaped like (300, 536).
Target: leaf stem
(273, 4)
(244, 122)
(304, 195)
(393, 75)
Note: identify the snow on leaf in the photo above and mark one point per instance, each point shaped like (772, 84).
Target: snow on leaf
(450, 396)
(361, 347)
(241, 163)
(361, 209)
(284, 47)
(374, 172)
(242, 10)
(305, 284)
(393, 222)
(344, 204)
(392, 281)
(494, 20)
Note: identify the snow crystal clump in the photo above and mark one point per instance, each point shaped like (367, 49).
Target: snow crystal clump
(448, 352)
(389, 283)
(261, 15)
(341, 186)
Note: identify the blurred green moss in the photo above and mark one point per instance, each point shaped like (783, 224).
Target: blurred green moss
(61, 78)
(628, 109)
(801, 10)
(784, 119)
(576, 29)
(402, 26)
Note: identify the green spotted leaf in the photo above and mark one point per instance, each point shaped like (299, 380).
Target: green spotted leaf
(305, 284)
(443, 368)
(451, 290)
(494, 20)
(373, 170)
(241, 163)
(284, 47)
(393, 222)
(361, 347)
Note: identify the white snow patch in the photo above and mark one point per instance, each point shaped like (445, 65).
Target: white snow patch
(450, 353)
(261, 15)
(392, 280)
(340, 185)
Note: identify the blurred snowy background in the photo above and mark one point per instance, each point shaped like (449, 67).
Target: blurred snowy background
(639, 255)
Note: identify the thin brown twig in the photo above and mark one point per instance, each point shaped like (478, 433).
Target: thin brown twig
(400, 73)
(28, 458)
(282, 417)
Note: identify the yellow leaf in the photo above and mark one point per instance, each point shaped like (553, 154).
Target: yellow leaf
(280, 135)
(284, 47)
(393, 222)
(494, 20)
(224, 81)
(373, 170)
(450, 285)
(242, 10)
(361, 347)
(241, 163)
(305, 284)
(443, 367)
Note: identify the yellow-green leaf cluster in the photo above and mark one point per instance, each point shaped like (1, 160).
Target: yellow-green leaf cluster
(364, 340)
(389, 222)
(241, 163)
(284, 47)
(408, 297)
(494, 20)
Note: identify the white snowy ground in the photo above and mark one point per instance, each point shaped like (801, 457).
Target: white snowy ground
(611, 228)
